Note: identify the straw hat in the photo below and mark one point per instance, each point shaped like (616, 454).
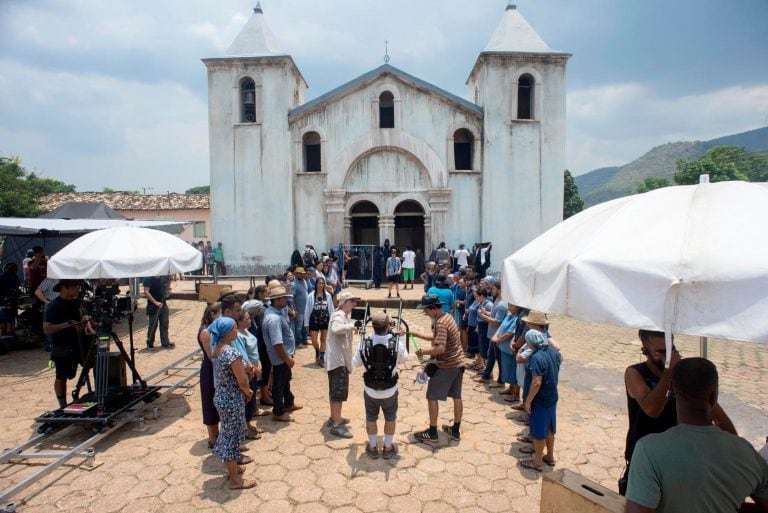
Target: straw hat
(278, 292)
(536, 317)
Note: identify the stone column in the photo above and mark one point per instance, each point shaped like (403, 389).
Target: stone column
(439, 202)
(347, 230)
(334, 209)
(428, 245)
(387, 229)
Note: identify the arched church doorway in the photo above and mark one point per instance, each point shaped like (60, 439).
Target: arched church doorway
(409, 225)
(365, 223)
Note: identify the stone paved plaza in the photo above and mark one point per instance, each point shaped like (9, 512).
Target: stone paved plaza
(301, 468)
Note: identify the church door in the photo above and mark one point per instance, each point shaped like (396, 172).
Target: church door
(365, 224)
(409, 225)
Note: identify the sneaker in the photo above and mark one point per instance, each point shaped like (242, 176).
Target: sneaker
(389, 452)
(448, 430)
(424, 436)
(169, 345)
(372, 452)
(321, 362)
(341, 431)
(329, 422)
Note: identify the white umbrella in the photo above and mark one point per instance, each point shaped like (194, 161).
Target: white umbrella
(124, 252)
(687, 259)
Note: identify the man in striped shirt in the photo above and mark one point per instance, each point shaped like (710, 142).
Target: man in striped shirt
(447, 380)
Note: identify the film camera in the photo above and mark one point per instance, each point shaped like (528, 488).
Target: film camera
(106, 306)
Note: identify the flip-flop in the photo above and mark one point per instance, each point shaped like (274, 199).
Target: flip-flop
(244, 485)
(531, 464)
(551, 463)
(256, 429)
(243, 448)
(252, 435)
(244, 460)
(519, 407)
(526, 449)
(505, 392)
(512, 399)
(525, 439)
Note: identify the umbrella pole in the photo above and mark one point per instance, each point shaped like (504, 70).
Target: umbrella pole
(703, 347)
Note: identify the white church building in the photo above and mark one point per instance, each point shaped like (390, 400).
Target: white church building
(386, 155)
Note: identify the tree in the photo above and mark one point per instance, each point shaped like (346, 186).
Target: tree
(652, 183)
(203, 189)
(107, 189)
(20, 190)
(572, 202)
(723, 163)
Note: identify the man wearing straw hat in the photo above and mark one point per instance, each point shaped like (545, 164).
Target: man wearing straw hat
(278, 338)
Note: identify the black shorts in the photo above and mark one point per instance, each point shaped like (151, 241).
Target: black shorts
(338, 384)
(395, 278)
(66, 366)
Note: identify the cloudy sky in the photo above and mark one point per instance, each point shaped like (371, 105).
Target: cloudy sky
(113, 94)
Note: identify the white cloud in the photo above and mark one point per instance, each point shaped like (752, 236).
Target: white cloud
(616, 123)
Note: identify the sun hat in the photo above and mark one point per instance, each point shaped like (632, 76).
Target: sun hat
(345, 296)
(379, 320)
(536, 338)
(428, 300)
(536, 317)
(299, 270)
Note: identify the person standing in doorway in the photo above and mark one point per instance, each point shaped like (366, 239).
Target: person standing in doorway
(409, 267)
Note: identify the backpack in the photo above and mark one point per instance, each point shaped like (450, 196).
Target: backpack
(380, 362)
(309, 259)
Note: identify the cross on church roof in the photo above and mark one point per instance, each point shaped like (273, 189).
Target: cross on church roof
(386, 52)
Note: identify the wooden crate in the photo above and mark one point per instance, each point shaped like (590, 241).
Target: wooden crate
(563, 491)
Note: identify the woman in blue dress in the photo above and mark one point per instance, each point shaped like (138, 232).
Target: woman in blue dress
(232, 392)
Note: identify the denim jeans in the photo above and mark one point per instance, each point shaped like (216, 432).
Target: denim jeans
(155, 317)
(492, 356)
(282, 397)
(482, 338)
(297, 326)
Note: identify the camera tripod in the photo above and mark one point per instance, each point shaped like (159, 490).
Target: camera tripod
(97, 360)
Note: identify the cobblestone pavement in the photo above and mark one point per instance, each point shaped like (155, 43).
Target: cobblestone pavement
(300, 467)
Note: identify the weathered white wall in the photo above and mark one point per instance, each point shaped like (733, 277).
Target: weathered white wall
(251, 179)
(523, 160)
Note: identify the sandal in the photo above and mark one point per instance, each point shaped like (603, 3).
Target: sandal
(519, 407)
(244, 460)
(531, 464)
(505, 392)
(512, 399)
(252, 435)
(525, 439)
(243, 448)
(527, 449)
(550, 462)
(244, 485)
(261, 413)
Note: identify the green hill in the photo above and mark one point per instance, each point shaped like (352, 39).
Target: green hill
(605, 184)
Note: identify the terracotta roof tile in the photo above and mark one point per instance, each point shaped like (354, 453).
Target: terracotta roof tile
(128, 201)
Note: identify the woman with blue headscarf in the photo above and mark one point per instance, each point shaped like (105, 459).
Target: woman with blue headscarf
(543, 369)
(232, 392)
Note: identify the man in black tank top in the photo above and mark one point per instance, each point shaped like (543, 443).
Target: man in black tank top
(650, 401)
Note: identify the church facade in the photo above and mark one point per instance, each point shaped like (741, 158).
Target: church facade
(386, 155)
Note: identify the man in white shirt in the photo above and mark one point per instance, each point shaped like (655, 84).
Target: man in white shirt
(460, 257)
(409, 266)
(380, 355)
(338, 361)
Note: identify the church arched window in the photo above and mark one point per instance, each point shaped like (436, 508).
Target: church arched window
(312, 155)
(463, 140)
(525, 97)
(386, 110)
(247, 100)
